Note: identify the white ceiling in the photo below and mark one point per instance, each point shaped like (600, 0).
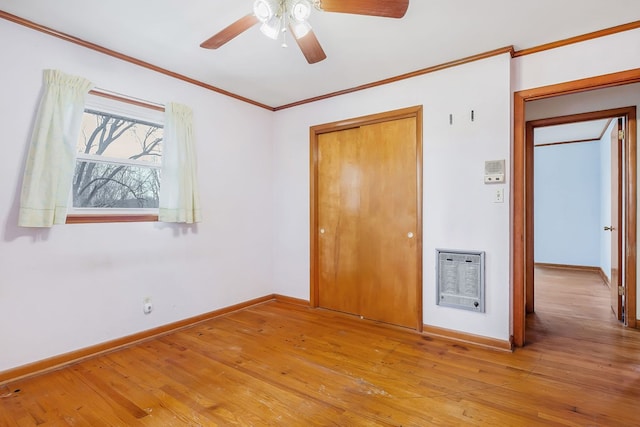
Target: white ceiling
(360, 49)
(571, 132)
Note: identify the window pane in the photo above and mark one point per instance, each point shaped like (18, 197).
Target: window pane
(113, 136)
(106, 185)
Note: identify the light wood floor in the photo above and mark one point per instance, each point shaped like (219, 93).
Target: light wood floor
(285, 365)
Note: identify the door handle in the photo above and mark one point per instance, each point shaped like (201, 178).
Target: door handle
(608, 228)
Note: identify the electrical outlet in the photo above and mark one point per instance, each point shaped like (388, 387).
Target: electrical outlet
(147, 305)
(498, 195)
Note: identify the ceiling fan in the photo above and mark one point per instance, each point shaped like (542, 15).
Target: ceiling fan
(279, 16)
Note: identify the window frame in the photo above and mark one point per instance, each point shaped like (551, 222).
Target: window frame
(128, 108)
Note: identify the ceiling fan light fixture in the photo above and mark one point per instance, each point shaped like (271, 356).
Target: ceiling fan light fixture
(272, 28)
(300, 10)
(300, 29)
(265, 10)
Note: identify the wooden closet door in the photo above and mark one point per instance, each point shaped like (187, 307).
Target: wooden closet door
(367, 217)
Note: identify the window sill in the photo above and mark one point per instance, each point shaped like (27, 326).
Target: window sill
(88, 219)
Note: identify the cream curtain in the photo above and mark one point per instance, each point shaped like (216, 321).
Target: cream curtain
(51, 160)
(179, 198)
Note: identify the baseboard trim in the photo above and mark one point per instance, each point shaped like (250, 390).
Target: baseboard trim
(292, 300)
(568, 266)
(468, 339)
(66, 359)
(598, 270)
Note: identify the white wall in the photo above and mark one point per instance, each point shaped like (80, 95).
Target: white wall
(459, 212)
(77, 285)
(567, 195)
(596, 57)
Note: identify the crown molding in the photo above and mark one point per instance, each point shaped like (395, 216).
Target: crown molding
(578, 39)
(457, 62)
(508, 49)
(123, 57)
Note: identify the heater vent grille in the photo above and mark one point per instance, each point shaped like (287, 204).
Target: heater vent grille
(460, 279)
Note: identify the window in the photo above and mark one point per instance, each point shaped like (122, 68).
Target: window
(119, 153)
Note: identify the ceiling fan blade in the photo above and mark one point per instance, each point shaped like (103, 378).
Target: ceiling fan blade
(233, 30)
(384, 8)
(310, 47)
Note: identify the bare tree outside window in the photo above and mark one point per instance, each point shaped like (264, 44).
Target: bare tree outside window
(118, 163)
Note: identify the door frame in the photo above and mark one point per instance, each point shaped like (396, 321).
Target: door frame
(314, 132)
(630, 115)
(522, 219)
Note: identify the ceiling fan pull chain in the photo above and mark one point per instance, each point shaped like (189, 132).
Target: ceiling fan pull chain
(284, 29)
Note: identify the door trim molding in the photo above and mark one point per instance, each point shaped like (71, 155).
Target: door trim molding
(314, 132)
(522, 189)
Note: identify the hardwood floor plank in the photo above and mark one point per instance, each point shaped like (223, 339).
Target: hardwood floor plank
(294, 373)
(291, 365)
